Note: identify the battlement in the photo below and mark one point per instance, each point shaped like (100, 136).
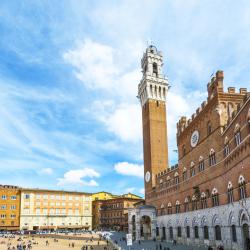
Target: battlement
(214, 87)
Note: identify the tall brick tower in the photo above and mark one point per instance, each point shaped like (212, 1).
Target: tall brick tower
(152, 92)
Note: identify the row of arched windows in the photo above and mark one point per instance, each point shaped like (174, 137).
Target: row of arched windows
(201, 201)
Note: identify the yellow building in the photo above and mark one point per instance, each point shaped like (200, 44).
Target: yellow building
(51, 209)
(9, 208)
(103, 196)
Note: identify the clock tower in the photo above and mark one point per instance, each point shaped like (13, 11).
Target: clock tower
(152, 92)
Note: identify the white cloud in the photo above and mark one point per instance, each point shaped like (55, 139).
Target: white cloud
(47, 171)
(142, 191)
(125, 122)
(77, 176)
(125, 168)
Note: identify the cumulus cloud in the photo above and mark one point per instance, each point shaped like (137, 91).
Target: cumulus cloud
(77, 176)
(47, 171)
(125, 168)
(125, 122)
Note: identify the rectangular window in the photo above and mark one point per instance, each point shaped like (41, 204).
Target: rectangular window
(4, 197)
(12, 216)
(3, 207)
(13, 197)
(26, 196)
(13, 207)
(38, 196)
(45, 196)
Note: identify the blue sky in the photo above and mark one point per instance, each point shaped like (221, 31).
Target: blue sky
(69, 72)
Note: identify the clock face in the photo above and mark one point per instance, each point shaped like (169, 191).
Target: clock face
(194, 138)
(147, 176)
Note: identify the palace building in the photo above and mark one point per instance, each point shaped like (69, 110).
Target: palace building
(53, 210)
(204, 199)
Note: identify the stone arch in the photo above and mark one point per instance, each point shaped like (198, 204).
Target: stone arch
(186, 222)
(203, 195)
(241, 180)
(204, 221)
(184, 169)
(169, 204)
(168, 178)
(216, 220)
(236, 128)
(176, 174)
(177, 203)
(243, 217)
(169, 224)
(195, 222)
(229, 185)
(201, 158)
(226, 140)
(162, 206)
(211, 151)
(232, 219)
(186, 200)
(192, 164)
(214, 191)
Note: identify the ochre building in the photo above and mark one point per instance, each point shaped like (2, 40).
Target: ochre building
(52, 209)
(203, 199)
(9, 208)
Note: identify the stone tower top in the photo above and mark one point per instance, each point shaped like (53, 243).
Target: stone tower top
(153, 84)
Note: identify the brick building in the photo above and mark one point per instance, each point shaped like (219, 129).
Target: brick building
(204, 198)
(114, 212)
(9, 208)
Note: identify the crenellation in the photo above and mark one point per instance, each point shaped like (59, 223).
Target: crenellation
(231, 90)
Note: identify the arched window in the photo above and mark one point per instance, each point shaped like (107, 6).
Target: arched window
(237, 135)
(188, 231)
(203, 201)
(192, 169)
(194, 203)
(230, 192)
(186, 204)
(184, 174)
(168, 181)
(155, 69)
(215, 197)
(196, 232)
(205, 232)
(212, 158)
(242, 188)
(234, 234)
(217, 232)
(179, 231)
(169, 208)
(177, 207)
(176, 178)
(171, 232)
(209, 128)
(201, 163)
(226, 147)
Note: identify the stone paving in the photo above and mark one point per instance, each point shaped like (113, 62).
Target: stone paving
(151, 245)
